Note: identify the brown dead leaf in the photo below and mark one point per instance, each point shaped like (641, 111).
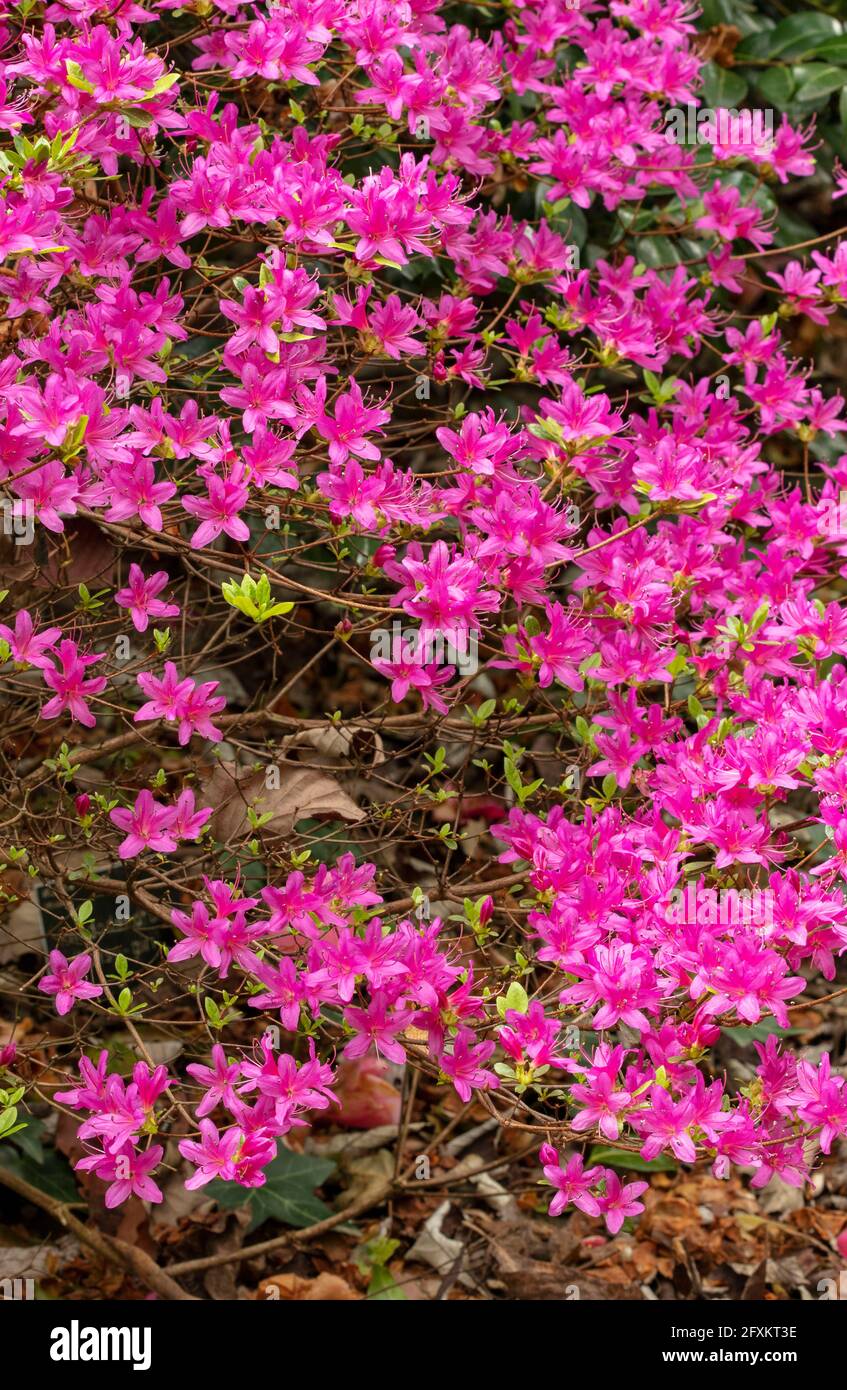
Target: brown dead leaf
(15, 886)
(327, 1288)
(565, 1283)
(84, 555)
(827, 1225)
(334, 747)
(287, 794)
(645, 1261)
(22, 931)
(719, 44)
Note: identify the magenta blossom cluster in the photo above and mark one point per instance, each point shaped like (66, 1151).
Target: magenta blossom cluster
(341, 350)
(122, 1117)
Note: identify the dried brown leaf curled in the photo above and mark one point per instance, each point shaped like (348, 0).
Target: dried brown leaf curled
(284, 794)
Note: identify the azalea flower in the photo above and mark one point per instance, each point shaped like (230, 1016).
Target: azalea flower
(73, 688)
(67, 981)
(149, 825)
(140, 598)
(28, 647)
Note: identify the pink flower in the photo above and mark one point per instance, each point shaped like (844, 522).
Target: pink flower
(347, 428)
(67, 981)
(821, 1100)
(617, 1202)
(140, 598)
(602, 1105)
(219, 1080)
(149, 825)
(572, 1183)
(284, 991)
(213, 1156)
(446, 593)
(166, 696)
(464, 1064)
(219, 510)
(133, 491)
(392, 325)
(189, 823)
(190, 705)
(73, 689)
(127, 1172)
(202, 935)
(413, 674)
(377, 1027)
(50, 493)
(197, 710)
(29, 648)
(290, 1088)
(667, 1124)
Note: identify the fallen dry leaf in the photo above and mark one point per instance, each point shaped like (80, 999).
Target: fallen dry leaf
(328, 1288)
(289, 795)
(333, 747)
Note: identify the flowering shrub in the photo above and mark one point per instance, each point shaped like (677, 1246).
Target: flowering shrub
(332, 319)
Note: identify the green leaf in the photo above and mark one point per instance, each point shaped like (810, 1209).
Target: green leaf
(802, 35)
(759, 1032)
(717, 12)
(657, 252)
(513, 777)
(136, 117)
(754, 45)
(515, 998)
(721, 87)
(76, 78)
(620, 1158)
(776, 85)
(164, 84)
(8, 1120)
(254, 598)
(28, 1140)
(288, 1196)
(833, 50)
(383, 1288)
(820, 81)
(53, 1176)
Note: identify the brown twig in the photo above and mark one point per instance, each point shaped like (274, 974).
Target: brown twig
(116, 1252)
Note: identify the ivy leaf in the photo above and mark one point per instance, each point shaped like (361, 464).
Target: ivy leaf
(288, 1195)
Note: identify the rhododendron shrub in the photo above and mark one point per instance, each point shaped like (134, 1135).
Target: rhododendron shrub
(328, 322)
